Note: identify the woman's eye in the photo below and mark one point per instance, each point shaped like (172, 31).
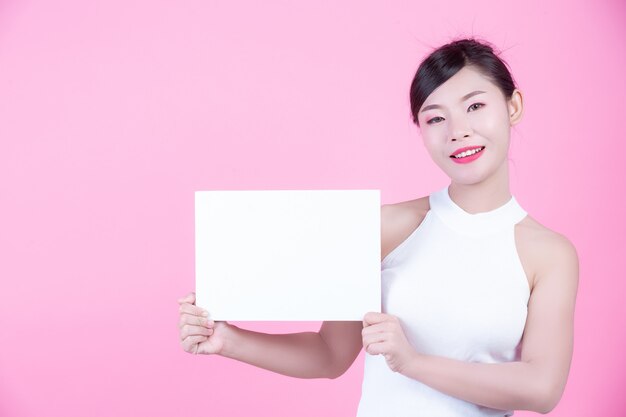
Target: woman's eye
(435, 118)
(429, 122)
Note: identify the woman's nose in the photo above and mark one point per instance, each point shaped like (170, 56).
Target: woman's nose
(460, 129)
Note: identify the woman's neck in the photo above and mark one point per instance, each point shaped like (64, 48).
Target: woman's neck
(484, 196)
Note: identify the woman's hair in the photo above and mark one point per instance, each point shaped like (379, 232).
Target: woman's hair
(448, 59)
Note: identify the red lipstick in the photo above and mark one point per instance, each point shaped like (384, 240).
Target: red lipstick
(467, 159)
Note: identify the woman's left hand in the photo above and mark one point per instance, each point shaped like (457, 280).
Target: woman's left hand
(383, 334)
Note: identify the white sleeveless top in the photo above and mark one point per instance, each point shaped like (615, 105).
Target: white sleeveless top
(460, 291)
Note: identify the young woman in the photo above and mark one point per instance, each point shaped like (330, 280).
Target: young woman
(478, 298)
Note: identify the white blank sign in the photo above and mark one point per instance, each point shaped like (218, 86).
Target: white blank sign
(288, 255)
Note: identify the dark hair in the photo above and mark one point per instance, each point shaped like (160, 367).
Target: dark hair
(448, 59)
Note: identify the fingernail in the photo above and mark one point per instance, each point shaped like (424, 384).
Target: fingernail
(205, 313)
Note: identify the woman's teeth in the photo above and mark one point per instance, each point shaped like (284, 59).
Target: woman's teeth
(468, 153)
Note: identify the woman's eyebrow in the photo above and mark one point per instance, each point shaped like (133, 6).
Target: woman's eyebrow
(465, 97)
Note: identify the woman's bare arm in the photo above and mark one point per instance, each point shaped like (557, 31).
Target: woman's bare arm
(300, 355)
(537, 381)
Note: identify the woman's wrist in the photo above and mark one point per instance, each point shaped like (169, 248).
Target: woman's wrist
(230, 336)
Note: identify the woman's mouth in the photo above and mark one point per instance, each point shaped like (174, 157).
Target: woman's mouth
(468, 156)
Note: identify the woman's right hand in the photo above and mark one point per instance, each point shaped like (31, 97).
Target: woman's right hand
(198, 334)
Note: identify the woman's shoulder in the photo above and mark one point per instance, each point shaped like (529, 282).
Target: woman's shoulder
(546, 247)
(404, 214)
(399, 220)
(540, 234)
(406, 208)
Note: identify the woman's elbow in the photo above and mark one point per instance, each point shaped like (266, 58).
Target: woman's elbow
(549, 399)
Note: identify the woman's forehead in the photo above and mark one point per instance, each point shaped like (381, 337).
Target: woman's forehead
(459, 88)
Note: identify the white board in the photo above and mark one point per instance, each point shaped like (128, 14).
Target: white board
(288, 255)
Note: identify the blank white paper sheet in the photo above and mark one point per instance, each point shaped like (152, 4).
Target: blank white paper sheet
(288, 255)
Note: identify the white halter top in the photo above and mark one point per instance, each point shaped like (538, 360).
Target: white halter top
(460, 291)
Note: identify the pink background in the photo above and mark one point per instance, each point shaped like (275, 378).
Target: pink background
(113, 113)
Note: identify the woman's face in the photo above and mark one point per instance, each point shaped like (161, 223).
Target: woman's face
(466, 118)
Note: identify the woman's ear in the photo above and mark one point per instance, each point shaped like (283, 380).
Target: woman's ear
(515, 107)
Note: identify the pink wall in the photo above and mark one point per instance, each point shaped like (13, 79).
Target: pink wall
(113, 113)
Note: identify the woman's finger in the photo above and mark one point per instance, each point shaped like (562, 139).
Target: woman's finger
(193, 310)
(195, 320)
(190, 341)
(188, 330)
(189, 298)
